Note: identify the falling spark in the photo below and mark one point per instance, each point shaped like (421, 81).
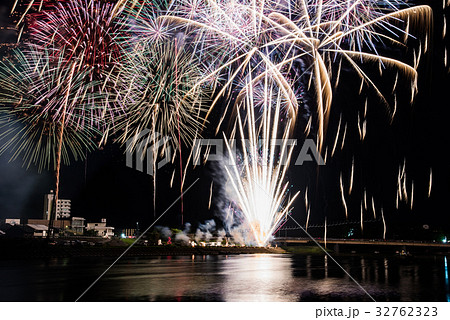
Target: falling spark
(365, 199)
(172, 178)
(364, 125)
(373, 209)
(362, 218)
(365, 109)
(396, 200)
(444, 28)
(307, 218)
(306, 198)
(358, 123)
(342, 195)
(430, 182)
(405, 193)
(210, 195)
(343, 136)
(394, 86)
(399, 183)
(395, 108)
(445, 57)
(351, 176)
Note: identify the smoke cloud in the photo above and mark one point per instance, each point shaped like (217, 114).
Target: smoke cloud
(164, 231)
(183, 236)
(204, 231)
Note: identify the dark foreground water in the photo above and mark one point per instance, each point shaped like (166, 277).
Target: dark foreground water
(255, 277)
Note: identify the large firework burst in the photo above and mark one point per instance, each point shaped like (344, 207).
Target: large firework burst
(39, 95)
(275, 37)
(82, 32)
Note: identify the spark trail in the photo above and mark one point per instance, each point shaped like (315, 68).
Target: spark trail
(258, 181)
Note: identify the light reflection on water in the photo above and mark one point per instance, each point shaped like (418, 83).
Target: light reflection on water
(447, 285)
(258, 277)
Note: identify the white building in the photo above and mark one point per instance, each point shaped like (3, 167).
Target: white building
(63, 207)
(12, 221)
(101, 228)
(78, 224)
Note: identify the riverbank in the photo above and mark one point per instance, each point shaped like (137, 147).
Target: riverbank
(40, 249)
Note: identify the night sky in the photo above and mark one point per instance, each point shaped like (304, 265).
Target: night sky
(103, 187)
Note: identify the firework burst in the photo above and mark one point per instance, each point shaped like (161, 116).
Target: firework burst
(155, 86)
(275, 38)
(258, 181)
(39, 96)
(82, 32)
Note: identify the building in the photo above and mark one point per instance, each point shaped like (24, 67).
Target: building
(27, 231)
(12, 221)
(58, 224)
(78, 225)
(101, 228)
(63, 207)
(48, 202)
(39, 230)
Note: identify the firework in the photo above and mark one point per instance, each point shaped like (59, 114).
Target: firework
(42, 108)
(280, 39)
(156, 79)
(258, 180)
(39, 96)
(155, 86)
(341, 188)
(290, 47)
(300, 47)
(143, 64)
(82, 32)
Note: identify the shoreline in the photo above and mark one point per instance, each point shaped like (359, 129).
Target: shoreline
(37, 249)
(42, 250)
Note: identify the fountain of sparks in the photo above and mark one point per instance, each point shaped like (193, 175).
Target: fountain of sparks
(258, 181)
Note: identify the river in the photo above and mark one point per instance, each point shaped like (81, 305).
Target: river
(251, 277)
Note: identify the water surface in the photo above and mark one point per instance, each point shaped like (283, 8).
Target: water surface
(252, 277)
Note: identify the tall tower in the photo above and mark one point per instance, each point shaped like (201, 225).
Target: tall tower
(48, 203)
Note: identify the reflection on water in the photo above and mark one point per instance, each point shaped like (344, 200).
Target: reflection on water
(258, 277)
(447, 285)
